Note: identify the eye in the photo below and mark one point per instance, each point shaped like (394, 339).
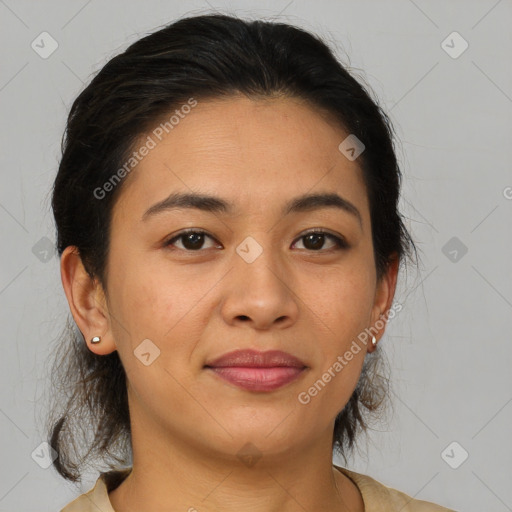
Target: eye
(192, 239)
(315, 238)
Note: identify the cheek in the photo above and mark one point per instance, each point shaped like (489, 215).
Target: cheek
(341, 313)
(354, 302)
(155, 341)
(152, 303)
(343, 303)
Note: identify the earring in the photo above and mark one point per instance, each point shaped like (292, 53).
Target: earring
(374, 341)
(96, 339)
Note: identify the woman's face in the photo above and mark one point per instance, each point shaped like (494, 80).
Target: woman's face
(254, 280)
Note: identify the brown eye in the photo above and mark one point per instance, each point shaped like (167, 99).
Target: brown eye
(191, 240)
(315, 240)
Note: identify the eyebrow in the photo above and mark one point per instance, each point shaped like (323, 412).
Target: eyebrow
(213, 204)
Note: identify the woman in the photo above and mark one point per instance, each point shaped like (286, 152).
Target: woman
(227, 222)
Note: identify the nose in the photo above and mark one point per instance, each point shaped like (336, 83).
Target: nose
(260, 293)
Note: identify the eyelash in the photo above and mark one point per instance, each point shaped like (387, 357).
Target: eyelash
(340, 242)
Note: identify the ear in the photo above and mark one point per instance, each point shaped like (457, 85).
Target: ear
(86, 301)
(384, 294)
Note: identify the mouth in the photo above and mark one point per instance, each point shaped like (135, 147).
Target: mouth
(257, 371)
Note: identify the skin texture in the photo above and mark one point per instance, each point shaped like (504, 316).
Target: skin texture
(188, 425)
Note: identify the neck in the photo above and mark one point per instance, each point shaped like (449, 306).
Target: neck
(169, 476)
(176, 470)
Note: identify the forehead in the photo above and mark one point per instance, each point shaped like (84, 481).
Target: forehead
(244, 149)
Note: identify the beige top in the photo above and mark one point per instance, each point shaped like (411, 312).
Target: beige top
(376, 496)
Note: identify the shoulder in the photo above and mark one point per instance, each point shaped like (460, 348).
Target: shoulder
(378, 497)
(97, 498)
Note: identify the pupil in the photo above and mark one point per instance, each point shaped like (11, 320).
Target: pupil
(195, 239)
(315, 237)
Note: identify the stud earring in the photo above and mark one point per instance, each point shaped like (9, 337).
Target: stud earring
(96, 339)
(374, 341)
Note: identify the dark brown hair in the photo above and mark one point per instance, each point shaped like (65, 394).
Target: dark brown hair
(207, 56)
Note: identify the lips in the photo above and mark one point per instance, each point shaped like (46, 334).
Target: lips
(257, 371)
(255, 359)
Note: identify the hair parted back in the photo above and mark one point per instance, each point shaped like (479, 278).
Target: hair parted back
(206, 56)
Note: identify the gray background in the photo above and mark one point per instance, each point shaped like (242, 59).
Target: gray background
(450, 347)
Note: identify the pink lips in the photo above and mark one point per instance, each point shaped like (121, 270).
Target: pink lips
(257, 371)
